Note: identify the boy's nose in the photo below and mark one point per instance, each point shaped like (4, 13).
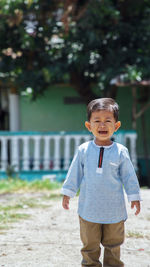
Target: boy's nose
(102, 124)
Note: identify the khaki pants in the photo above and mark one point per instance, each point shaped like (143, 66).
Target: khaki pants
(111, 236)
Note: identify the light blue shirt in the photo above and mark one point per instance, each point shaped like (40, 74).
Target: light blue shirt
(101, 198)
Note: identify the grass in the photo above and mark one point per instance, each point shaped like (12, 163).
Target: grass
(7, 217)
(134, 234)
(52, 196)
(12, 207)
(148, 218)
(10, 213)
(22, 204)
(14, 185)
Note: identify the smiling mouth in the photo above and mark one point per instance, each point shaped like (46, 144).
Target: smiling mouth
(102, 132)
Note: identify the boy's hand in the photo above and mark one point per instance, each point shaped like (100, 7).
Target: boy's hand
(65, 202)
(137, 205)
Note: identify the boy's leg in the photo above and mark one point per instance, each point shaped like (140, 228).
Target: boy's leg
(90, 234)
(112, 238)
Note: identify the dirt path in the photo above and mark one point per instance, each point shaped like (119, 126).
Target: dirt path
(50, 237)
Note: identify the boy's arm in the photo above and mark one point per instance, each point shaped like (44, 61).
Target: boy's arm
(65, 202)
(130, 181)
(74, 177)
(137, 205)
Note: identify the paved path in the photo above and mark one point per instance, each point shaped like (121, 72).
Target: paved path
(50, 238)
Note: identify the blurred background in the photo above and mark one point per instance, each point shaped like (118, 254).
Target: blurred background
(55, 57)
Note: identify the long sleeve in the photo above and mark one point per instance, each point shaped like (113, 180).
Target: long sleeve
(74, 176)
(129, 178)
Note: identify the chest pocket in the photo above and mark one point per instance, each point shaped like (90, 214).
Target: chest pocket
(114, 168)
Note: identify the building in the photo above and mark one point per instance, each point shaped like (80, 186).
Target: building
(61, 109)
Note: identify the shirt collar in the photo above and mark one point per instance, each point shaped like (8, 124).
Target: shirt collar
(102, 146)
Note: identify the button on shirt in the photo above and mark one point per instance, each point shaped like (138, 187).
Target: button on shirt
(101, 198)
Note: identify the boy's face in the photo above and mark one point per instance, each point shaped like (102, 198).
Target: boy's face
(102, 124)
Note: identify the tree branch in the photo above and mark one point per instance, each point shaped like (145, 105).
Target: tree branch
(142, 110)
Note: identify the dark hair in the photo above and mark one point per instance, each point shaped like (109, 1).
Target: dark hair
(103, 104)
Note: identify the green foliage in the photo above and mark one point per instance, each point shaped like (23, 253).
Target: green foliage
(14, 185)
(133, 74)
(10, 171)
(8, 217)
(20, 197)
(111, 38)
(134, 234)
(114, 40)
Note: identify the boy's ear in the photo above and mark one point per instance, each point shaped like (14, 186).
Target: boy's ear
(117, 125)
(88, 125)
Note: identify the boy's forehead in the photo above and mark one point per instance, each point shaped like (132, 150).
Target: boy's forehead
(102, 113)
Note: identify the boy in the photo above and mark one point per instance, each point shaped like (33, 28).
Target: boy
(100, 169)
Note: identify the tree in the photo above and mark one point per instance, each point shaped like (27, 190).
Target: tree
(86, 43)
(95, 45)
(25, 29)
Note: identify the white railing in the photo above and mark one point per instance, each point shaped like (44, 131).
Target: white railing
(27, 151)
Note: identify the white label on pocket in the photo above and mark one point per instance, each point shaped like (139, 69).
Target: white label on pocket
(99, 170)
(113, 164)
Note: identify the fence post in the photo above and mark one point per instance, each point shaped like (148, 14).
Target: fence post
(36, 153)
(56, 153)
(4, 153)
(26, 156)
(46, 158)
(15, 153)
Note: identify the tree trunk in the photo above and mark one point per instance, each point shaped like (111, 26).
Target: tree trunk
(82, 86)
(145, 146)
(134, 107)
(112, 92)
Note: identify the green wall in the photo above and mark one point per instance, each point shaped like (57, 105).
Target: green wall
(124, 98)
(49, 113)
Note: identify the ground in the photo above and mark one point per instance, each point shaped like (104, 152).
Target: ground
(50, 236)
